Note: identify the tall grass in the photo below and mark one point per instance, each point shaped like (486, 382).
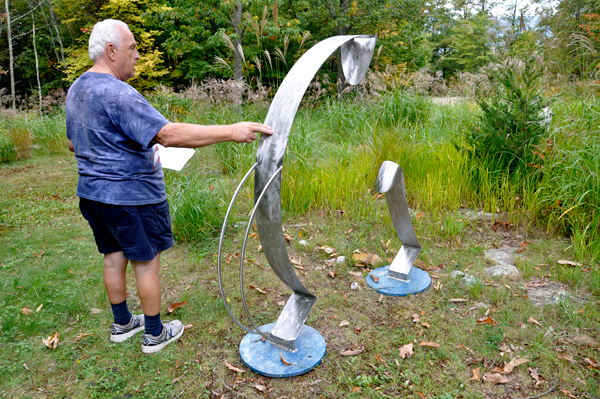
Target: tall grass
(22, 136)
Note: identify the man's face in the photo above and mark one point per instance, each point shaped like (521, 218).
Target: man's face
(127, 56)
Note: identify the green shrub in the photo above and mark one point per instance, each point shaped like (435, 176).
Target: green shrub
(512, 119)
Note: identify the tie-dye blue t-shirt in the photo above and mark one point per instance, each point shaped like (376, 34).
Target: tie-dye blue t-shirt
(111, 126)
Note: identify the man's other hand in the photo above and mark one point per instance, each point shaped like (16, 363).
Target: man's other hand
(245, 132)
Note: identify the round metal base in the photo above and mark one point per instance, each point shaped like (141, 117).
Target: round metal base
(264, 358)
(419, 282)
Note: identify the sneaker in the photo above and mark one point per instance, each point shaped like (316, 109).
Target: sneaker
(170, 333)
(120, 332)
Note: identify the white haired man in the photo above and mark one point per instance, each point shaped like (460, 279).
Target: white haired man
(111, 128)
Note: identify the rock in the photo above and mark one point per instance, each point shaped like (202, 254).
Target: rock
(549, 294)
(304, 243)
(353, 286)
(339, 259)
(501, 256)
(467, 279)
(474, 215)
(501, 270)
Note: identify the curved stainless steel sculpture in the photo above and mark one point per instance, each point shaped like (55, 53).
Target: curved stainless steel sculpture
(390, 180)
(357, 51)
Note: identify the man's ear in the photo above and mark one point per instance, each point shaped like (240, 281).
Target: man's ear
(111, 51)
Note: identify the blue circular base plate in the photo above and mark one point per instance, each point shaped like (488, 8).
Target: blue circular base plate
(419, 282)
(264, 358)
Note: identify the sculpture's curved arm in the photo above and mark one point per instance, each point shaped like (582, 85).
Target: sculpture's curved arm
(357, 52)
(390, 180)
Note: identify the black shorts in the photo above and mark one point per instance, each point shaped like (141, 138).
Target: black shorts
(141, 232)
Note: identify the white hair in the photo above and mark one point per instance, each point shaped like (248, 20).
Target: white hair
(105, 32)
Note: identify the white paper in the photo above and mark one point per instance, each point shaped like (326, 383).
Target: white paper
(172, 157)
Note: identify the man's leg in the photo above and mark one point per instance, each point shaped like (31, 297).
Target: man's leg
(157, 335)
(115, 281)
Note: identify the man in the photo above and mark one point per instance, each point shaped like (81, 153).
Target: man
(111, 128)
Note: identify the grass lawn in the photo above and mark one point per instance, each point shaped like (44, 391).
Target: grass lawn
(51, 279)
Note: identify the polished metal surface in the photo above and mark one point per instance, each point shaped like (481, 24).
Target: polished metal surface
(390, 180)
(357, 51)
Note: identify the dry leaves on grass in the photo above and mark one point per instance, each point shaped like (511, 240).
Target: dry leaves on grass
(533, 321)
(367, 259)
(39, 308)
(331, 273)
(353, 352)
(187, 327)
(176, 305)
(487, 320)
(568, 262)
(406, 351)
(82, 335)
(591, 363)
(508, 368)
(326, 248)
(356, 274)
(430, 344)
(565, 356)
(52, 341)
(261, 388)
(257, 289)
(344, 323)
(288, 238)
(476, 375)
(537, 378)
(495, 378)
(26, 311)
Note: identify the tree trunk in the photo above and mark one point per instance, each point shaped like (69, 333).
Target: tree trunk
(237, 55)
(342, 28)
(37, 65)
(10, 54)
(62, 49)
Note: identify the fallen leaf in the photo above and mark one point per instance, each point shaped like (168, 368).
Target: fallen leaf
(495, 378)
(568, 393)
(26, 311)
(416, 317)
(523, 246)
(533, 321)
(457, 300)
(52, 341)
(82, 335)
(568, 262)
(380, 298)
(285, 362)
(381, 360)
(487, 320)
(257, 289)
(261, 388)
(535, 374)
(297, 262)
(352, 352)
(565, 356)
(234, 368)
(356, 389)
(288, 238)
(584, 340)
(39, 308)
(514, 363)
(591, 363)
(406, 351)
(357, 274)
(422, 395)
(94, 311)
(426, 325)
(281, 303)
(259, 248)
(331, 273)
(25, 366)
(476, 375)
(374, 278)
(176, 305)
(367, 259)
(430, 344)
(344, 323)
(187, 327)
(326, 248)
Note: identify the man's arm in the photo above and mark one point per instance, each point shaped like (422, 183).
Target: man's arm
(70, 145)
(193, 136)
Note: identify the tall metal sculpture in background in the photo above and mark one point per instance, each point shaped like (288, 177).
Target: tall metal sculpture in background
(304, 346)
(400, 278)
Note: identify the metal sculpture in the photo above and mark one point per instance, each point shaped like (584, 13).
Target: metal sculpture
(357, 51)
(400, 278)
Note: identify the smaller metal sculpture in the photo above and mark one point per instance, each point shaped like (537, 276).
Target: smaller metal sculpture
(400, 278)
